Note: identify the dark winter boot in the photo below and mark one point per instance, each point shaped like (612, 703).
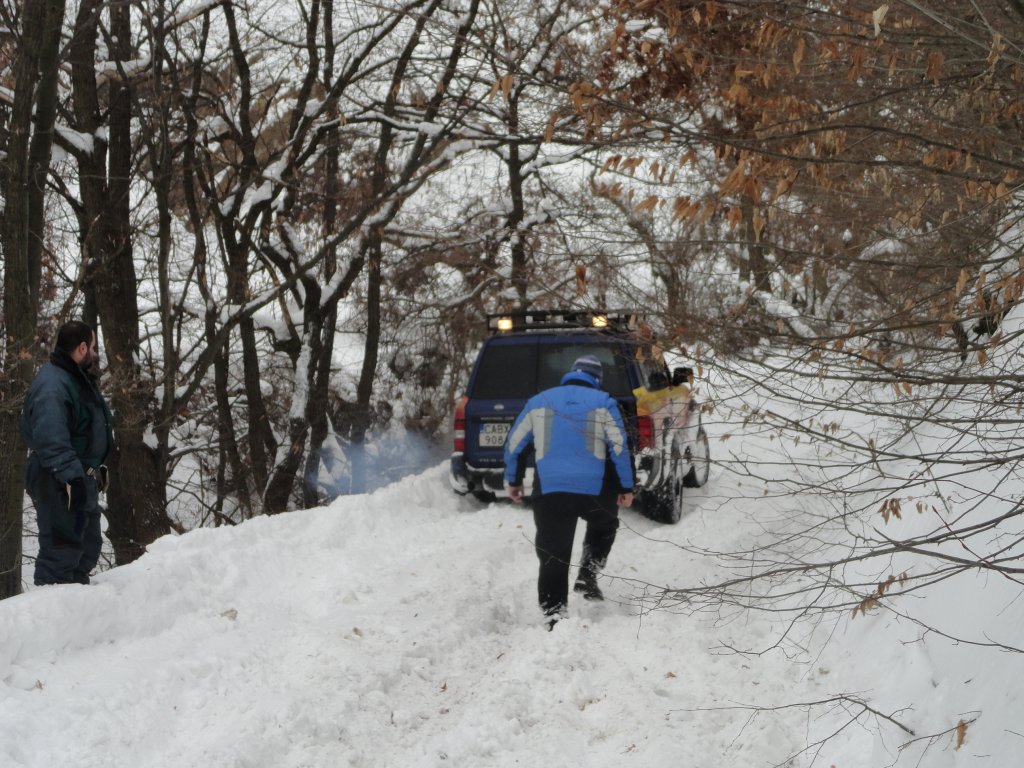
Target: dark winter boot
(586, 585)
(554, 615)
(586, 581)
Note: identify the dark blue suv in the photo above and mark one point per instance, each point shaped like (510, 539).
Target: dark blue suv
(527, 352)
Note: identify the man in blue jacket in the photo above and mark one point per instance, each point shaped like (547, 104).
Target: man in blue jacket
(583, 470)
(66, 425)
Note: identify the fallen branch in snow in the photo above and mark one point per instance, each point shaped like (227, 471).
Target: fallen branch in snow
(839, 699)
(959, 731)
(843, 701)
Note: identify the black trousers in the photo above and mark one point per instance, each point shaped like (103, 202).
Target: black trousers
(69, 545)
(555, 515)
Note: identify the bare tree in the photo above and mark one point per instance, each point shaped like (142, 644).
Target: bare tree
(29, 137)
(136, 511)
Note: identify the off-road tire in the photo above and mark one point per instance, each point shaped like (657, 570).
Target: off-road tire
(701, 461)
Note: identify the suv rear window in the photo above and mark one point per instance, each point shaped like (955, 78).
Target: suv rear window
(507, 372)
(519, 371)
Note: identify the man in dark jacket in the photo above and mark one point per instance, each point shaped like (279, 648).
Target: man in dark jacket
(583, 470)
(66, 425)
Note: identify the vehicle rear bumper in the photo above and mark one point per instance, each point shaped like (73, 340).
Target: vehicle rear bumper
(465, 478)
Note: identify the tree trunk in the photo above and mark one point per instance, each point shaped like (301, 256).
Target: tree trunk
(317, 409)
(318, 420)
(364, 391)
(24, 178)
(282, 479)
(320, 388)
(161, 153)
(261, 441)
(136, 511)
(758, 272)
(520, 278)
(241, 483)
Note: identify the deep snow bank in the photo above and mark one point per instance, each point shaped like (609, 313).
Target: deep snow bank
(400, 629)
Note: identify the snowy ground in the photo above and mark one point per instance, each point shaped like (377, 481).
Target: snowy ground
(400, 629)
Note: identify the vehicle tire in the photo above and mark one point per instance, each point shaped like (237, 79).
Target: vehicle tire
(484, 497)
(700, 459)
(665, 504)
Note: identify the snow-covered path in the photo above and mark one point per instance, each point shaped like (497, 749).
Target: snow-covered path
(396, 629)
(400, 630)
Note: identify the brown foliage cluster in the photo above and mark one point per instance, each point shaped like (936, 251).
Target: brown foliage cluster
(832, 127)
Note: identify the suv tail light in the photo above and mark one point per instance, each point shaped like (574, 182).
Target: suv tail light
(644, 432)
(459, 426)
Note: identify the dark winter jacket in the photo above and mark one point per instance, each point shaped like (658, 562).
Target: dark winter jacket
(65, 421)
(574, 429)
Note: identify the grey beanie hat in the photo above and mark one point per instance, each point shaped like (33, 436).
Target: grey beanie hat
(590, 365)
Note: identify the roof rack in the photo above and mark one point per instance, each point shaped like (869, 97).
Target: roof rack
(615, 320)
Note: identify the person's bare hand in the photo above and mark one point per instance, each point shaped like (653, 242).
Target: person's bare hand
(515, 492)
(625, 499)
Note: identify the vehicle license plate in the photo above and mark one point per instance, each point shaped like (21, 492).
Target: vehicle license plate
(493, 435)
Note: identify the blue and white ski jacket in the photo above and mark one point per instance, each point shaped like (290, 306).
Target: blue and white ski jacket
(573, 429)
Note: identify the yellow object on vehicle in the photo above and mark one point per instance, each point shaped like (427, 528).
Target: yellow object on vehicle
(650, 403)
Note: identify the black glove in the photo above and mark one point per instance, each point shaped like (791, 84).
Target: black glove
(68, 529)
(77, 499)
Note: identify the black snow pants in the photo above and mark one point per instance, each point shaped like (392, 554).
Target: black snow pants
(69, 544)
(555, 515)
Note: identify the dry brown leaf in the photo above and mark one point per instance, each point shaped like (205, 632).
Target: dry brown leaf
(611, 162)
(648, 204)
(884, 586)
(630, 164)
(998, 46)
(935, 62)
(549, 132)
(961, 282)
(758, 223)
(961, 734)
(798, 54)
(877, 17)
